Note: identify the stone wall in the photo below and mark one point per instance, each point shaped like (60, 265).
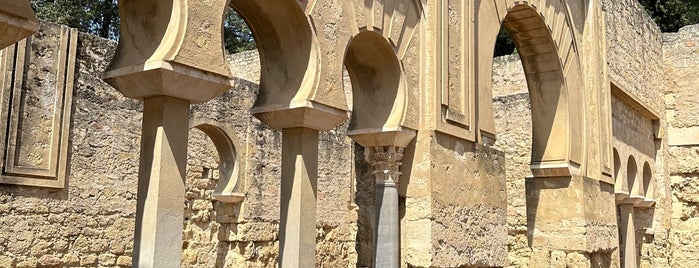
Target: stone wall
(681, 56)
(90, 222)
(634, 51)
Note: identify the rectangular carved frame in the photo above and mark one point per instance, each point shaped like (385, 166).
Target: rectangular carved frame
(455, 73)
(36, 88)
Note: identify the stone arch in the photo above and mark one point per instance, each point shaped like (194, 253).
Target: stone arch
(373, 59)
(648, 183)
(546, 42)
(229, 186)
(617, 165)
(632, 178)
(289, 57)
(621, 186)
(378, 87)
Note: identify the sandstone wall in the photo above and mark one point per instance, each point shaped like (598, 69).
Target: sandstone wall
(681, 58)
(634, 51)
(91, 221)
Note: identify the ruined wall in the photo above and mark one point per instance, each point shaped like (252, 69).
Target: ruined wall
(91, 221)
(681, 58)
(634, 51)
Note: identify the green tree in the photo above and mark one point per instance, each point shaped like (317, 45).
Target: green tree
(91, 16)
(504, 44)
(237, 37)
(671, 15)
(101, 18)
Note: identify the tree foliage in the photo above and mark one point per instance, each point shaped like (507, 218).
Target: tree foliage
(101, 18)
(98, 17)
(671, 15)
(237, 37)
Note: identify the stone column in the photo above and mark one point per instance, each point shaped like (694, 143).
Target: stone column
(297, 238)
(163, 163)
(160, 60)
(386, 162)
(628, 236)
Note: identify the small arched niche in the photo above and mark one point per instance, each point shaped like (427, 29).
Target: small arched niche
(378, 92)
(635, 191)
(617, 166)
(621, 186)
(648, 186)
(228, 188)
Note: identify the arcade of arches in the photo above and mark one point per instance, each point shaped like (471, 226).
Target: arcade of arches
(363, 133)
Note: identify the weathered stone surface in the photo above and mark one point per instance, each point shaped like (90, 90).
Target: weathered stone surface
(461, 206)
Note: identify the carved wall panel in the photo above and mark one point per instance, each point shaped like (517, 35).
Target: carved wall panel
(455, 63)
(36, 79)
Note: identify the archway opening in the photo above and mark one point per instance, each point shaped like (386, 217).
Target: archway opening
(285, 44)
(534, 125)
(617, 165)
(631, 174)
(237, 36)
(647, 182)
(377, 85)
(213, 193)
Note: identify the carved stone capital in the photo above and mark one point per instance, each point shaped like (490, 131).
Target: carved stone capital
(386, 162)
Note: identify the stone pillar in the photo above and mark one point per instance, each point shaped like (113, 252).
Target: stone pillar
(159, 212)
(300, 128)
(386, 162)
(628, 236)
(297, 238)
(161, 60)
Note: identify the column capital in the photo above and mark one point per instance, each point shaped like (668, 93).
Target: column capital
(386, 161)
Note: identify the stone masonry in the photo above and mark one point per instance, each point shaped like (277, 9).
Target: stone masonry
(478, 221)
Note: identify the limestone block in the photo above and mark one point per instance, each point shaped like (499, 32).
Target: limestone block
(17, 21)
(468, 205)
(172, 48)
(49, 261)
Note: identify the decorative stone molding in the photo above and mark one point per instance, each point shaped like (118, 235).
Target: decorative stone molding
(386, 162)
(36, 113)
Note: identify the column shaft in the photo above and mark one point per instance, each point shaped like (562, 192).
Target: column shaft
(628, 236)
(298, 198)
(386, 162)
(159, 213)
(386, 240)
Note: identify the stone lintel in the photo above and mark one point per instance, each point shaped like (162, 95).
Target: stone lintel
(307, 114)
(554, 169)
(164, 78)
(17, 21)
(646, 203)
(620, 196)
(398, 137)
(632, 200)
